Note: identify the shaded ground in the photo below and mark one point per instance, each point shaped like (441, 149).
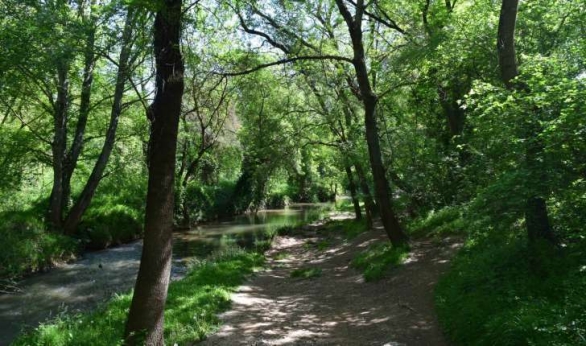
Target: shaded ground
(337, 308)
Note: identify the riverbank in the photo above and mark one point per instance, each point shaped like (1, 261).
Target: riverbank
(85, 284)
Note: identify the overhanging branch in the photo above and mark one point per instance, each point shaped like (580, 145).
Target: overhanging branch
(286, 61)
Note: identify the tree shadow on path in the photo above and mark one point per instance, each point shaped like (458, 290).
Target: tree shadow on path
(338, 307)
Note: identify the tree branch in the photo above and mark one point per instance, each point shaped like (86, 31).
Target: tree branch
(285, 61)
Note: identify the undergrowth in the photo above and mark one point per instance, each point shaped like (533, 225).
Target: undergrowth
(493, 296)
(28, 246)
(502, 291)
(190, 314)
(350, 229)
(378, 259)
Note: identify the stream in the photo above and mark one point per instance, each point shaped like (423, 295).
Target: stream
(96, 276)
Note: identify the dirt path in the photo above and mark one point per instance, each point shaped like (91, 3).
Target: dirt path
(337, 308)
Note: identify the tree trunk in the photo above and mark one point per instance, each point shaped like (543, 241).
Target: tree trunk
(146, 317)
(536, 215)
(370, 206)
(506, 41)
(84, 110)
(59, 145)
(353, 195)
(370, 100)
(84, 200)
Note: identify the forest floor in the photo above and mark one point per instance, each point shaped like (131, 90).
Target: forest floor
(337, 307)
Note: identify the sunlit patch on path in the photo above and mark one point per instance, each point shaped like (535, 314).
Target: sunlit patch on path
(337, 307)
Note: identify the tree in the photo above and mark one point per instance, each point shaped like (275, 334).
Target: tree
(370, 100)
(536, 214)
(150, 293)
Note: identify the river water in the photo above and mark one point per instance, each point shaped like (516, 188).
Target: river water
(96, 276)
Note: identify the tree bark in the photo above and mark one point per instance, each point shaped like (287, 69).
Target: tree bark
(370, 206)
(84, 110)
(353, 194)
(370, 100)
(59, 145)
(146, 317)
(74, 217)
(536, 215)
(506, 41)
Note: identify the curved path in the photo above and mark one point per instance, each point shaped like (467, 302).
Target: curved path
(337, 308)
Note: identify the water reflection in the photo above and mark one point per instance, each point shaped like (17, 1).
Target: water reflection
(247, 231)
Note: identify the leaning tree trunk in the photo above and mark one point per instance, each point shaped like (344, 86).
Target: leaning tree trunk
(146, 317)
(536, 214)
(74, 217)
(370, 100)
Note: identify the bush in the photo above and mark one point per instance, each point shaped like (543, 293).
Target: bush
(494, 296)
(277, 200)
(28, 246)
(110, 225)
(206, 202)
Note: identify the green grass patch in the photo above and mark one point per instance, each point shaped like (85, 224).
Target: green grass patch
(446, 221)
(349, 228)
(306, 273)
(282, 255)
(493, 295)
(376, 261)
(190, 314)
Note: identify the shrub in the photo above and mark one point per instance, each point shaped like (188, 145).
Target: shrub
(110, 225)
(494, 296)
(28, 246)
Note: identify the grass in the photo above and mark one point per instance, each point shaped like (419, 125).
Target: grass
(306, 273)
(282, 255)
(378, 259)
(442, 222)
(350, 229)
(190, 314)
(494, 296)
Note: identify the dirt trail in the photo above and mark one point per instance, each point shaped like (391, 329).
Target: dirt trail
(337, 308)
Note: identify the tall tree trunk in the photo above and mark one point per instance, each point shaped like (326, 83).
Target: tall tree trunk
(84, 109)
(59, 145)
(150, 292)
(353, 194)
(370, 100)
(84, 200)
(536, 215)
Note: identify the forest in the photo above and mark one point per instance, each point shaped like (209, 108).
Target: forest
(292, 172)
